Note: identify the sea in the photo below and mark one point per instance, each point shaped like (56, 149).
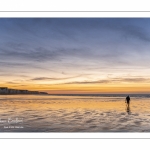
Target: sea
(74, 113)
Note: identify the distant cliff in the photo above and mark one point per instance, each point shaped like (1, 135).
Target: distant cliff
(5, 90)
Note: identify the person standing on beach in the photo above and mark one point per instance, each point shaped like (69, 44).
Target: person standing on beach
(127, 100)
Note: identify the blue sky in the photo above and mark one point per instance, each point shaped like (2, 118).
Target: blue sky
(74, 50)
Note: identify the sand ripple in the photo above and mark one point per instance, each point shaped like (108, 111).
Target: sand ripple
(75, 114)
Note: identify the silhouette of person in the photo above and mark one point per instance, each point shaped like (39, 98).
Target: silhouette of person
(127, 100)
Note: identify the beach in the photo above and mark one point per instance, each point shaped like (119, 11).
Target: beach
(49, 113)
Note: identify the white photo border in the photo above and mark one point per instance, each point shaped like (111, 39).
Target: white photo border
(75, 14)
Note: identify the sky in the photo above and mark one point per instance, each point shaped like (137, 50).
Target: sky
(75, 55)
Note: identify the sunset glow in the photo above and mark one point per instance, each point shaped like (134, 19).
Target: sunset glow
(75, 55)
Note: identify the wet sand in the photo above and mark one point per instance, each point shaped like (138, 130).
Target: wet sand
(73, 114)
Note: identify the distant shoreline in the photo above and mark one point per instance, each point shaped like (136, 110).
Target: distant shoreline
(24, 94)
(8, 91)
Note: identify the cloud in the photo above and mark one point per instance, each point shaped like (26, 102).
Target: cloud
(113, 80)
(47, 78)
(22, 66)
(135, 80)
(136, 32)
(44, 78)
(71, 28)
(76, 42)
(128, 27)
(15, 75)
(11, 82)
(33, 54)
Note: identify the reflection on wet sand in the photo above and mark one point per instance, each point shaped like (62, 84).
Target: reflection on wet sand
(128, 110)
(75, 113)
